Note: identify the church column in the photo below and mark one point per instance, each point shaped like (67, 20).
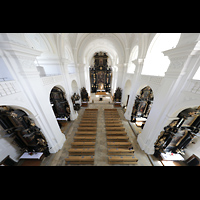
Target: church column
(134, 87)
(64, 69)
(81, 69)
(123, 83)
(166, 97)
(114, 79)
(120, 75)
(21, 59)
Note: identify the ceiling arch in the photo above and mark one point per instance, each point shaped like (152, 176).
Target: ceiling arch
(109, 42)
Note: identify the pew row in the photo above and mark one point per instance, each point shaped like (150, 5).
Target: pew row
(87, 125)
(117, 138)
(84, 138)
(82, 144)
(85, 133)
(113, 121)
(114, 125)
(115, 133)
(87, 129)
(119, 144)
(122, 160)
(79, 160)
(81, 151)
(112, 109)
(120, 151)
(115, 129)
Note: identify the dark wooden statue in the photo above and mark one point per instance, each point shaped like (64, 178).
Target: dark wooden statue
(75, 97)
(84, 94)
(118, 95)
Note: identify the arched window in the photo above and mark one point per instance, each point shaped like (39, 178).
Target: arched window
(155, 62)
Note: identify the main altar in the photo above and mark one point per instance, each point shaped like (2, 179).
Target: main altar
(100, 74)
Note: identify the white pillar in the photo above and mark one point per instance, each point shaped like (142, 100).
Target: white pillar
(68, 88)
(134, 87)
(166, 97)
(21, 59)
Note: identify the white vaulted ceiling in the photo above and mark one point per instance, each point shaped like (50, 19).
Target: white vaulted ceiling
(86, 44)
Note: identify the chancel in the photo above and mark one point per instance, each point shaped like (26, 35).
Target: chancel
(99, 99)
(100, 74)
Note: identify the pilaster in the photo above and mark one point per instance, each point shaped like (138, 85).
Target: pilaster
(135, 85)
(64, 69)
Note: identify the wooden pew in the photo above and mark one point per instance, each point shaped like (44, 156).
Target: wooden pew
(82, 144)
(91, 109)
(79, 160)
(119, 144)
(112, 109)
(120, 151)
(115, 129)
(114, 125)
(81, 151)
(122, 160)
(89, 116)
(111, 112)
(88, 125)
(117, 133)
(111, 116)
(117, 138)
(90, 113)
(87, 138)
(113, 121)
(85, 133)
(92, 120)
(87, 122)
(87, 129)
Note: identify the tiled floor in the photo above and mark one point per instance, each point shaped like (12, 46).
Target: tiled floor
(58, 159)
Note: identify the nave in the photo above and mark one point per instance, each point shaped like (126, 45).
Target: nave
(100, 146)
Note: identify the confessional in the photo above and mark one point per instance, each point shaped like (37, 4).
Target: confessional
(75, 97)
(59, 103)
(142, 105)
(177, 136)
(100, 73)
(23, 130)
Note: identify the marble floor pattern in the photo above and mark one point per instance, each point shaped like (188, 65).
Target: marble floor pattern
(101, 158)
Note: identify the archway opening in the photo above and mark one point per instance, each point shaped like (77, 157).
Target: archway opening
(180, 137)
(60, 107)
(142, 107)
(20, 133)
